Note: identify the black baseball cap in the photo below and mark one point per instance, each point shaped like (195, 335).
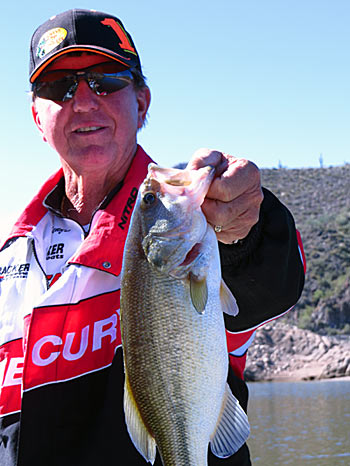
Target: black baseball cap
(81, 30)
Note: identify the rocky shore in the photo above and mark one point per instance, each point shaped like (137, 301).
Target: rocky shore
(285, 352)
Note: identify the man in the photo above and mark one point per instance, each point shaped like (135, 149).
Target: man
(60, 348)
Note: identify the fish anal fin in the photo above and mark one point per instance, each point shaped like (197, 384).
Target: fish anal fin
(140, 436)
(199, 293)
(232, 429)
(228, 301)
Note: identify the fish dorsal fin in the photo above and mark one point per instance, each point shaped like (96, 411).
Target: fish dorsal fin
(232, 429)
(228, 301)
(199, 293)
(142, 439)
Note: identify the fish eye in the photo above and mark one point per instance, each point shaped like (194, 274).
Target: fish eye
(149, 198)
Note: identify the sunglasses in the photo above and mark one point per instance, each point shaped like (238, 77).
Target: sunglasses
(61, 85)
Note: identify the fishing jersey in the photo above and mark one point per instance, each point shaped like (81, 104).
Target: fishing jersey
(61, 367)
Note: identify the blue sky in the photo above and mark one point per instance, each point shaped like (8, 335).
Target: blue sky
(268, 80)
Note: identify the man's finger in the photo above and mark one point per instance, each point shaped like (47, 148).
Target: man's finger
(204, 157)
(239, 177)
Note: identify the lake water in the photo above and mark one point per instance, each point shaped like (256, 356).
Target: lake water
(300, 423)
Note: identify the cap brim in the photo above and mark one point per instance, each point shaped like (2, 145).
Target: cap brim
(79, 48)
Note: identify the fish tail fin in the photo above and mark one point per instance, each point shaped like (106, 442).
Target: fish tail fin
(232, 429)
(141, 438)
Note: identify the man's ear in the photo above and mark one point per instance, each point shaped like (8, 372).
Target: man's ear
(144, 100)
(37, 120)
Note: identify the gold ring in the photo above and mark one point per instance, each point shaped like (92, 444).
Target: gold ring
(218, 228)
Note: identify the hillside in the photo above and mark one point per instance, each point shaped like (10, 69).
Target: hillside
(319, 199)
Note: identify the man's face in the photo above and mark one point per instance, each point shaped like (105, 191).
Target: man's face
(92, 132)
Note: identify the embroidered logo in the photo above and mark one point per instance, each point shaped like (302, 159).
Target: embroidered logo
(124, 43)
(50, 40)
(60, 230)
(128, 208)
(55, 251)
(14, 271)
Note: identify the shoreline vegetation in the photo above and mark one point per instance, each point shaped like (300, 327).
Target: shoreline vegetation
(312, 342)
(320, 203)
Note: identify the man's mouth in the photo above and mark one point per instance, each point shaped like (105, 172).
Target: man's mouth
(88, 129)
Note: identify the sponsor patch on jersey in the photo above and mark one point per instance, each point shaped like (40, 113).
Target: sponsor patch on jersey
(59, 231)
(14, 271)
(128, 208)
(55, 251)
(65, 342)
(11, 370)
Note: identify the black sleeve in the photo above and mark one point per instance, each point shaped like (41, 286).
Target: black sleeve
(264, 271)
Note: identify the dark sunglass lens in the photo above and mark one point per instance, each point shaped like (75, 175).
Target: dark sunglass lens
(64, 87)
(60, 90)
(109, 84)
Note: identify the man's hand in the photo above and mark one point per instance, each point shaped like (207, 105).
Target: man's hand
(234, 198)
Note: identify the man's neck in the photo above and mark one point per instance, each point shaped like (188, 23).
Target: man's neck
(83, 195)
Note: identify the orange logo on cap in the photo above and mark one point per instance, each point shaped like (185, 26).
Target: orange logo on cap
(124, 41)
(48, 41)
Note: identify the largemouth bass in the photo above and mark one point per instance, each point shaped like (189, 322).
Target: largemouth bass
(176, 394)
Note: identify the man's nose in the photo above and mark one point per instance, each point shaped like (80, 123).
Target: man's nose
(84, 99)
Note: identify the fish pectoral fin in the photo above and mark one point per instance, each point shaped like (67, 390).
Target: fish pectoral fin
(232, 429)
(228, 301)
(199, 293)
(141, 438)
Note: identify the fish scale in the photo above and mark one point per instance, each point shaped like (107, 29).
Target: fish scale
(175, 355)
(162, 359)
